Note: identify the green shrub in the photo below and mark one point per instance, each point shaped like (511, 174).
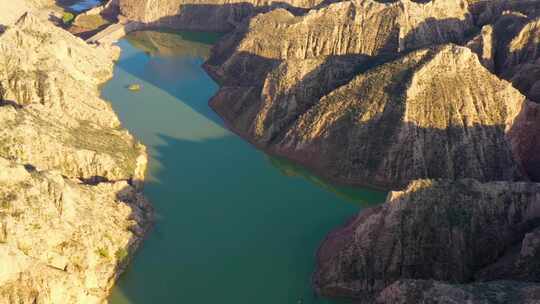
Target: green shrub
(68, 18)
(121, 254)
(103, 252)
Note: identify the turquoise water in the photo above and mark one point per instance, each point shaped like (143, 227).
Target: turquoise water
(82, 5)
(233, 225)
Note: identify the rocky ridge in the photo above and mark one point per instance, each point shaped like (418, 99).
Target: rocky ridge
(271, 92)
(71, 214)
(474, 227)
(202, 15)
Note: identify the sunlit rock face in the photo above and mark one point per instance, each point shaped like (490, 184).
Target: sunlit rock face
(71, 214)
(62, 241)
(307, 87)
(364, 27)
(206, 15)
(12, 10)
(51, 105)
(420, 116)
(450, 231)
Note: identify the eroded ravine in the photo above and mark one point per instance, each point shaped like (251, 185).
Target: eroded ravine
(232, 224)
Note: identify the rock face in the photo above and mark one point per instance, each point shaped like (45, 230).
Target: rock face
(52, 110)
(309, 88)
(386, 93)
(71, 214)
(62, 241)
(418, 291)
(206, 15)
(12, 10)
(363, 27)
(360, 132)
(453, 231)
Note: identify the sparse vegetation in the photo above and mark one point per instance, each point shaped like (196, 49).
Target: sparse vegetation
(103, 252)
(121, 254)
(67, 18)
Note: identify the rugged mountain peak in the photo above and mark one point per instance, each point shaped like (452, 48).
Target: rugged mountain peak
(433, 292)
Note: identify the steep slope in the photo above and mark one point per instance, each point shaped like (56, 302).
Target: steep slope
(363, 27)
(71, 214)
(423, 115)
(62, 241)
(49, 91)
(442, 230)
(205, 15)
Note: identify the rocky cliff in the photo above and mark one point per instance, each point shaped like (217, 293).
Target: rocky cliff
(309, 88)
(451, 231)
(422, 115)
(203, 15)
(62, 241)
(499, 292)
(71, 214)
(52, 108)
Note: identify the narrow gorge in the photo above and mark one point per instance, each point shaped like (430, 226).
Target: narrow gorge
(425, 112)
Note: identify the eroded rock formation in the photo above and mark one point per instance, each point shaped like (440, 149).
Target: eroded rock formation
(71, 214)
(422, 115)
(384, 93)
(206, 15)
(53, 115)
(453, 231)
(62, 241)
(419, 291)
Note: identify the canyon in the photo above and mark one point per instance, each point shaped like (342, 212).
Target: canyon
(435, 100)
(438, 98)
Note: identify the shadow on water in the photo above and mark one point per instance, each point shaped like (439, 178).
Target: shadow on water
(232, 224)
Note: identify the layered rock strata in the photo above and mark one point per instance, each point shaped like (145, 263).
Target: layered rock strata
(62, 241)
(451, 231)
(205, 15)
(499, 292)
(381, 126)
(71, 214)
(51, 105)
(385, 93)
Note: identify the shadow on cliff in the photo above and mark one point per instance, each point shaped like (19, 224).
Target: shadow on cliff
(354, 152)
(436, 234)
(218, 18)
(244, 70)
(510, 64)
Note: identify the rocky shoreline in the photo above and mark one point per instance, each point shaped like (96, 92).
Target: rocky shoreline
(436, 98)
(71, 213)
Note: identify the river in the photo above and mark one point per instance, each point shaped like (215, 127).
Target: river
(233, 225)
(78, 6)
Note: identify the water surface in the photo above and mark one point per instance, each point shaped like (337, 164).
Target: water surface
(234, 225)
(78, 6)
